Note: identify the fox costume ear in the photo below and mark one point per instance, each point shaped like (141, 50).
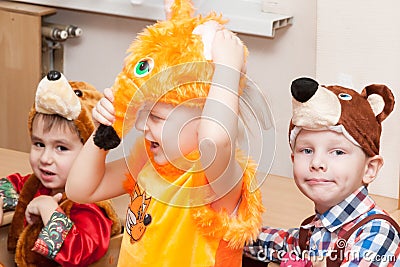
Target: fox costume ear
(381, 100)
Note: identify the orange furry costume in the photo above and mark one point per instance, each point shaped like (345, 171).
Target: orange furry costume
(168, 62)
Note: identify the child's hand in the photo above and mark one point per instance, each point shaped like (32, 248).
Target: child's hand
(104, 111)
(227, 49)
(41, 208)
(167, 8)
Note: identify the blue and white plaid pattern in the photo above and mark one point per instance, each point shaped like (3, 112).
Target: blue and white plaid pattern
(377, 243)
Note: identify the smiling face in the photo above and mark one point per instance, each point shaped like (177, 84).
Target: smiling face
(53, 150)
(327, 167)
(171, 130)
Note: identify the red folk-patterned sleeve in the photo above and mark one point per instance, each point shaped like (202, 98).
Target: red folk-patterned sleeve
(18, 180)
(10, 186)
(53, 234)
(85, 242)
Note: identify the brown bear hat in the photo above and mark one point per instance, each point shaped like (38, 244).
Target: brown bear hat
(357, 115)
(71, 100)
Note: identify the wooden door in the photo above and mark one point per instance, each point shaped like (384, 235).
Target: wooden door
(20, 69)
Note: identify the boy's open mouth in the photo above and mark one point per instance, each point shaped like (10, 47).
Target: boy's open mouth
(154, 144)
(47, 172)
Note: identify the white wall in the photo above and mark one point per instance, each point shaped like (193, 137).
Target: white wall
(358, 43)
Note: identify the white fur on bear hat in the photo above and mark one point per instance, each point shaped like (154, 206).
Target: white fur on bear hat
(337, 128)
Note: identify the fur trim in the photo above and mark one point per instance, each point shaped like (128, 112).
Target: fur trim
(17, 224)
(245, 226)
(109, 210)
(21, 239)
(24, 256)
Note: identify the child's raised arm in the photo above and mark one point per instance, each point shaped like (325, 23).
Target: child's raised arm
(219, 124)
(90, 178)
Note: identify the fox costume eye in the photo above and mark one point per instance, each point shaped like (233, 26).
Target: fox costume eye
(345, 96)
(144, 67)
(78, 93)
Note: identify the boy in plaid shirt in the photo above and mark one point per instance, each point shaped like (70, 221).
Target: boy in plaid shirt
(334, 136)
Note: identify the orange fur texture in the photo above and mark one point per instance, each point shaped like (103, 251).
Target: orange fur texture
(179, 71)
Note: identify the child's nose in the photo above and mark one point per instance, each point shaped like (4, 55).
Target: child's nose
(317, 164)
(47, 156)
(141, 122)
(141, 126)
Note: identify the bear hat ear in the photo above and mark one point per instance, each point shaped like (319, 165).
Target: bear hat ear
(381, 99)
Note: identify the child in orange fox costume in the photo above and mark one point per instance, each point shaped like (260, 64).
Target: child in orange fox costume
(192, 190)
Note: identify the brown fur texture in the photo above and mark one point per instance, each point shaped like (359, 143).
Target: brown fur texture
(17, 225)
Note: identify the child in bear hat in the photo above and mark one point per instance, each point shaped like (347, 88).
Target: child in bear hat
(48, 229)
(334, 135)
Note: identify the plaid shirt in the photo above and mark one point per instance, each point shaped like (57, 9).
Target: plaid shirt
(376, 243)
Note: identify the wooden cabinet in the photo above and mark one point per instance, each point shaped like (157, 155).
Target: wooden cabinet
(20, 69)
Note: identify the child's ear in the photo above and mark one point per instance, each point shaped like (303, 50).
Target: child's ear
(292, 156)
(374, 164)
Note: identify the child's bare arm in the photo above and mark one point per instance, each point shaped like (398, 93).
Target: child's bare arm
(219, 124)
(90, 178)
